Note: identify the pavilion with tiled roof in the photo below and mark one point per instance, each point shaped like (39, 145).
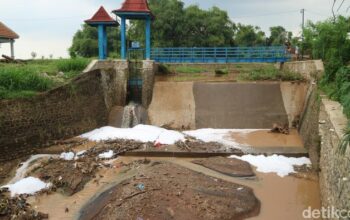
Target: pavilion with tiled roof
(8, 36)
(135, 9)
(102, 20)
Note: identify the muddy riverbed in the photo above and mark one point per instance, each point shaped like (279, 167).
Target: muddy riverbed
(165, 186)
(120, 187)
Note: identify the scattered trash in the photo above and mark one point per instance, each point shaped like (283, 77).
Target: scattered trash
(17, 208)
(141, 186)
(157, 144)
(322, 122)
(276, 128)
(106, 155)
(80, 154)
(67, 155)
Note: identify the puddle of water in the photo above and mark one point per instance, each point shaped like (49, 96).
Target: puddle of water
(55, 204)
(281, 198)
(264, 138)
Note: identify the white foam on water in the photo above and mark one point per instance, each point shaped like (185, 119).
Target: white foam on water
(281, 165)
(142, 133)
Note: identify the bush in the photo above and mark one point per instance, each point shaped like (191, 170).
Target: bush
(270, 73)
(221, 72)
(189, 69)
(345, 142)
(68, 65)
(23, 78)
(164, 69)
(339, 89)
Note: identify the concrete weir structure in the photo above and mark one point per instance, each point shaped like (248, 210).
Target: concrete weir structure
(194, 105)
(98, 97)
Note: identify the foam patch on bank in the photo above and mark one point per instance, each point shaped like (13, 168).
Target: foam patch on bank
(29, 185)
(281, 165)
(106, 155)
(221, 136)
(142, 133)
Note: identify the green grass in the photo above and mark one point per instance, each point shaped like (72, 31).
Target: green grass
(189, 69)
(345, 141)
(269, 73)
(339, 88)
(27, 79)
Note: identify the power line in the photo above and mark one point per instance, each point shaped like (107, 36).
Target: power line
(43, 19)
(317, 13)
(269, 14)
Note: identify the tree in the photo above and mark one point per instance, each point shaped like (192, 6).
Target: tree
(211, 28)
(327, 40)
(85, 42)
(167, 28)
(248, 35)
(176, 26)
(33, 54)
(279, 36)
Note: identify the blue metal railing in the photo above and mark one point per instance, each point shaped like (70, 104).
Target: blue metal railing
(220, 54)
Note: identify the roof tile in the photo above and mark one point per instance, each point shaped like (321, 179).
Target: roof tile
(6, 32)
(101, 16)
(134, 6)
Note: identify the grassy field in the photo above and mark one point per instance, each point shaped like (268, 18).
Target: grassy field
(27, 79)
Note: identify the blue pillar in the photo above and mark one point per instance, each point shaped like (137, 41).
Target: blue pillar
(123, 38)
(105, 41)
(148, 38)
(101, 42)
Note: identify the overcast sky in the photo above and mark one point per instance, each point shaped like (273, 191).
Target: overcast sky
(47, 26)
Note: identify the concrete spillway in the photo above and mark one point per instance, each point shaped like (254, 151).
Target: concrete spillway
(188, 105)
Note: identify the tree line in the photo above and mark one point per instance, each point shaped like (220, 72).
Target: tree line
(178, 26)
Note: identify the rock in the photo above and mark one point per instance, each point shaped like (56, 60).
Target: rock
(228, 166)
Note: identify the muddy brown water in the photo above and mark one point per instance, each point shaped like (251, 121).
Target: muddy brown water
(265, 138)
(281, 198)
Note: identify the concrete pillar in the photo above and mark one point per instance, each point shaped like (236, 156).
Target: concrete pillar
(148, 38)
(148, 77)
(12, 49)
(123, 38)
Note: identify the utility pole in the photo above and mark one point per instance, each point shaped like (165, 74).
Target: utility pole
(302, 11)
